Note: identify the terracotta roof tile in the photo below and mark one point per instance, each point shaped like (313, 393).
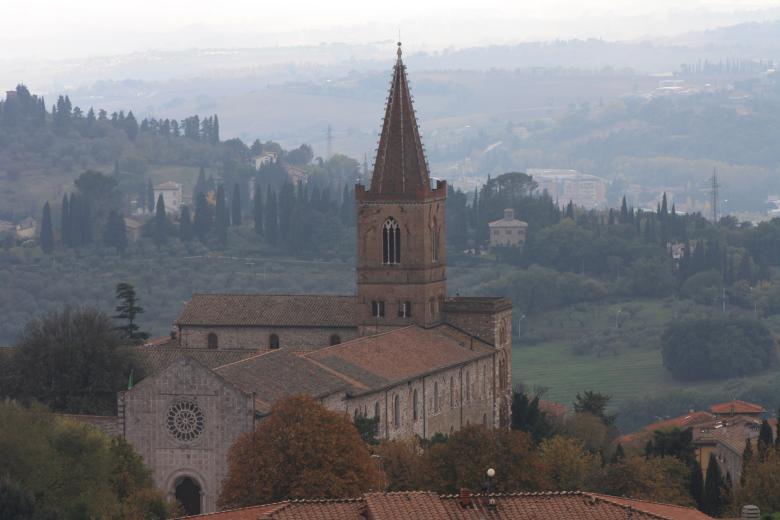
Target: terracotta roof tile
(279, 373)
(421, 505)
(244, 513)
(736, 407)
(400, 354)
(682, 422)
(278, 310)
(154, 359)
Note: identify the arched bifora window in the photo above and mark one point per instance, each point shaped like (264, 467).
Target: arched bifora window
(273, 341)
(212, 340)
(391, 242)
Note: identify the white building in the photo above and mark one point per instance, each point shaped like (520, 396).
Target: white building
(508, 231)
(584, 190)
(172, 196)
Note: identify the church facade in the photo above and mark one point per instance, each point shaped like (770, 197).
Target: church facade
(399, 349)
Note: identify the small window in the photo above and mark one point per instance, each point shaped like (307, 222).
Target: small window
(435, 244)
(405, 309)
(452, 393)
(414, 404)
(397, 411)
(212, 340)
(378, 309)
(435, 397)
(273, 341)
(376, 409)
(335, 339)
(468, 386)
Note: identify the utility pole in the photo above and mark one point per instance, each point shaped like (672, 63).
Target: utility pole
(715, 187)
(330, 142)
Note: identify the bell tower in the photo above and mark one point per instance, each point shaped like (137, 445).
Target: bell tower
(401, 274)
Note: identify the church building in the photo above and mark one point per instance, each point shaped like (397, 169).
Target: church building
(399, 350)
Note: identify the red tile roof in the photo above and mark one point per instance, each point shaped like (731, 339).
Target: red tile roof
(400, 354)
(552, 408)
(737, 407)
(278, 310)
(421, 505)
(244, 513)
(682, 422)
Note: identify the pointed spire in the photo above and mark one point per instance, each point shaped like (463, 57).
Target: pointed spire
(400, 167)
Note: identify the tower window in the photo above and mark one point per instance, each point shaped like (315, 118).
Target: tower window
(335, 339)
(397, 411)
(378, 309)
(391, 242)
(212, 340)
(405, 309)
(435, 397)
(414, 405)
(435, 244)
(273, 341)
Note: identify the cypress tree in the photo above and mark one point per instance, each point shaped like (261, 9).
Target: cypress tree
(87, 228)
(47, 233)
(200, 185)
(624, 211)
(765, 439)
(258, 210)
(185, 225)
(569, 210)
(221, 218)
(65, 235)
(149, 195)
(114, 233)
(202, 222)
(697, 483)
(215, 130)
(271, 218)
(235, 206)
(619, 454)
(160, 221)
(777, 437)
(712, 498)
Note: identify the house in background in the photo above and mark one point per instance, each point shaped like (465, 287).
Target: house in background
(172, 196)
(263, 159)
(26, 229)
(582, 189)
(508, 232)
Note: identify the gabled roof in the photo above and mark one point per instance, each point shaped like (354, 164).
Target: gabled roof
(682, 422)
(400, 167)
(269, 310)
(154, 359)
(401, 354)
(423, 505)
(737, 407)
(359, 366)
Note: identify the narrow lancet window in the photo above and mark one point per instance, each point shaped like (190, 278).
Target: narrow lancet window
(391, 242)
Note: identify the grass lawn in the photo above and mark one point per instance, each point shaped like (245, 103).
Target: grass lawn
(580, 348)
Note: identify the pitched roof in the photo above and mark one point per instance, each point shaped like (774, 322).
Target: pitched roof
(400, 354)
(736, 407)
(357, 366)
(272, 310)
(154, 359)
(413, 505)
(400, 167)
(280, 373)
(682, 422)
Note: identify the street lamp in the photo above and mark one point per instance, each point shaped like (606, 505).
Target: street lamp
(491, 500)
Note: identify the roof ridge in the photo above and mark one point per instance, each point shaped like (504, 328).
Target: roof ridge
(606, 498)
(327, 295)
(336, 373)
(359, 339)
(247, 358)
(201, 515)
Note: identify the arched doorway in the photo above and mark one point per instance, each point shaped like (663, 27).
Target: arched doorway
(187, 493)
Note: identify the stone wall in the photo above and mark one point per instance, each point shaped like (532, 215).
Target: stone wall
(227, 413)
(455, 406)
(256, 338)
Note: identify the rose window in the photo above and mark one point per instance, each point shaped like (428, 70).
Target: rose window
(185, 421)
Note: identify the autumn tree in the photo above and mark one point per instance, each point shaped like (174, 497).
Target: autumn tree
(301, 450)
(760, 485)
(661, 479)
(567, 464)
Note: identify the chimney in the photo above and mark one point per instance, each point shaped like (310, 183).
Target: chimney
(465, 497)
(509, 214)
(750, 513)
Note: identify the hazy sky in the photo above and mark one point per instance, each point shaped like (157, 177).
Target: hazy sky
(55, 29)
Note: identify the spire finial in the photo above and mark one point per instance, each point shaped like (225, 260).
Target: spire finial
(399, 50)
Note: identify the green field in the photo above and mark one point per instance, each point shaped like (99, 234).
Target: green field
(580, 348)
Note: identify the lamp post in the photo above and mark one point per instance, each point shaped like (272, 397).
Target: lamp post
(491, 500)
